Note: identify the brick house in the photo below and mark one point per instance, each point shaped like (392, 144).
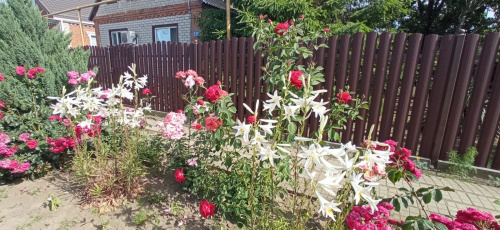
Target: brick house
(68, 22)
(147, 21)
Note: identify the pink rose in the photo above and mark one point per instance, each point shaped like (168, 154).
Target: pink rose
(20, 70)
(2, 78)
(180, 74)
(72, 82)
(199, 80)
(24, 137)
(32, 144)
(189, 83)
(73, 74)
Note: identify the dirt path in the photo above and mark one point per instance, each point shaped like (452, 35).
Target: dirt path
(23, 206)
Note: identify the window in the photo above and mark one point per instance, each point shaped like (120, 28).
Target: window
(167, 33)
(92, 38)
(115, 36)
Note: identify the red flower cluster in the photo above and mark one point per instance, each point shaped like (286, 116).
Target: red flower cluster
(196, 125)
(31, 144)
(212, 123)
(61, 144)
(468, 219)
(361, 217)
(93, 131)
(179, 175)
(207, 209)
(214, 92)
(31, 73)
(281, 28)
(252, 119)
(401, 159)
(343, 97)
(295, 79)
(146, 91)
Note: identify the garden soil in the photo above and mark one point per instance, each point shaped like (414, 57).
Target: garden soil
(23, 206)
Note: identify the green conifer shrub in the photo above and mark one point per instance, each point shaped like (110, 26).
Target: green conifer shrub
(26, 40)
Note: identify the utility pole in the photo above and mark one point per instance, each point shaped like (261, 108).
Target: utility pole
(228, 18)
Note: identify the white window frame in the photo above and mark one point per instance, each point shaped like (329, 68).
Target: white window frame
(90, 34)
(113, 33)
(173, 26)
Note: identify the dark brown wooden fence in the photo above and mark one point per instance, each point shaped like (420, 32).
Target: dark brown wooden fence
(431, 94)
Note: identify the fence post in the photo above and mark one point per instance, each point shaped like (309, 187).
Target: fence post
(448, 95)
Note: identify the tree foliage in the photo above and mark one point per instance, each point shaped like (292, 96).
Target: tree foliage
(351, 16)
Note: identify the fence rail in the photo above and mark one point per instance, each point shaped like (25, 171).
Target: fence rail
(431, 94)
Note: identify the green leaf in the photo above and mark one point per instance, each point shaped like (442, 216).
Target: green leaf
(407, 225)
(397, 205)
(404, 201)
(427, 198)
(497, 202)
(440, 226)
(438, 195)
(448, 189)
(292, 128)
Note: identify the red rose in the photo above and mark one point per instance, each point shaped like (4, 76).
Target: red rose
(146, 91)
(327, 30)
(20, 70)
(196, 125)
(207, 209)
(213, 93)
(31, 73)
(295, 78)
(291, 22)
(269, 20)
(261, 17)
(2, 78)
(219, 83)
(301, 16)
(39, 70)
(179, 175)
(281, 28)
(212, 123)
(252, 119)
(343, 97)
(201, 102)
(32, 144)
(199, 80)
(179, 111)
(2, 104)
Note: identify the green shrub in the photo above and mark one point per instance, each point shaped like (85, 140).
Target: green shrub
(463, 164)
(26, 40)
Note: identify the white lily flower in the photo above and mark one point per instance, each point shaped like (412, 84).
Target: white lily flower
(258, 139)
(274, 100)
(308, 175)
(319, 108)
(268, 154)
(268, 121)
(290, 111)
(242, 129)
(346, 162)
(267, 128)
(311, 154)
(248, 108)
(87, 123)
(283, 149)
(363, 192)
(327, 207)
(303, 139)
(331, 182)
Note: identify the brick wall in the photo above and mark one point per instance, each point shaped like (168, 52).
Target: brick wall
(76, 38)
(141, 19)
(144, 28)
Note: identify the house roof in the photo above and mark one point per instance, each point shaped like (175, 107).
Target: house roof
(53, 6)
(214, 3)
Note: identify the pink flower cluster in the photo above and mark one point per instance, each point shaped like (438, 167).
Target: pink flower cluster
(64, 121)
(469, 219)
(361, 218)
(173, 125)
(76, 78)
(14, 166)
(61, 144)
(401, 159)
(212, 122)
(190, 78)
(4, 149)
(31, 73)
